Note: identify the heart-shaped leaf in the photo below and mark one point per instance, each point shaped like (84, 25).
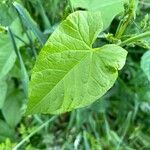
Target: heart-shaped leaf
(69, 72)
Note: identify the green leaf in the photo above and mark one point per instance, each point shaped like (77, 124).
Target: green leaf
(7, 13)
(5, 131)
(69, 73)
(3, 91)
(12, 107)
(7, 53)
(145, 64)
(29, 22)
(108, 8)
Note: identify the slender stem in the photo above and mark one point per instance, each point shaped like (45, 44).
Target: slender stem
(35, 131)
(20, 39)
(32, 44)
(25, 78)
(86, 143)
(135, 38)
(46, 21)
(71, 7)
(127, 122)
(126, 21)
(29, 23)
(107, 127)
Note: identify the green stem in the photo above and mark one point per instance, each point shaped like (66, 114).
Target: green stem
(127, 125)
(24, 74)
(126, 21)
(20, 39)
(135, 38)
(71, 7)
(46, 21)
(29, 23)
(32, 44)
(86, 143)
(107, 127)
(35, 131)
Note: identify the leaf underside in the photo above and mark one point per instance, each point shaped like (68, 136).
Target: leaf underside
(69, 73)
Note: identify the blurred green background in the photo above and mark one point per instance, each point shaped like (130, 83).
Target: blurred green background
(120, 120)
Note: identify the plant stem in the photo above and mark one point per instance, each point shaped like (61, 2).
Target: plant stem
(24, 74)
(127, 125)
(135, 38)
(35, 131)
(20, 39)
(29, 23)
(46, 21)
(126, 21)
(32, 44)
(71, 7)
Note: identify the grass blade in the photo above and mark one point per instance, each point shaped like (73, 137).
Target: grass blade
(24, 74)
(29, 23)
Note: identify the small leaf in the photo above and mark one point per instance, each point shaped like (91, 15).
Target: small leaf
(108, 8)
(7, 13)
(69, 73)
(7, 53)
(5, 131)
(3, 91)
(145, 64)
(12, 107)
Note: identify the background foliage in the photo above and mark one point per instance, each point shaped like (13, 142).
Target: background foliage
(119, 121)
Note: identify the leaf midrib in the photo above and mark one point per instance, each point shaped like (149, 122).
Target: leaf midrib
(33, 108)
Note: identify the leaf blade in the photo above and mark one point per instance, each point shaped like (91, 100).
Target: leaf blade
(65, 65)
(145, 64)
(3, 91)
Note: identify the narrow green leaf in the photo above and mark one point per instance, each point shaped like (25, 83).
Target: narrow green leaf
(5, 131)
(145, 64)
(29, 22)
(3, 91)
(69, 73)
(24, 74)
(108, 8)
(7, 55)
